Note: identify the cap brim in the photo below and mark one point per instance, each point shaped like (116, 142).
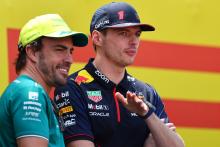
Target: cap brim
(79, 39)
(144, 27)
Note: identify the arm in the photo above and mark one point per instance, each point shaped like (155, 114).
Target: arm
(83, 143)
(32, 142)
(149, 142)
(78, 131)
(30, 122)
(161, 134)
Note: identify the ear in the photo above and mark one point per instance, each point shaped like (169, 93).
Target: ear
(97, 38)
(31, 53)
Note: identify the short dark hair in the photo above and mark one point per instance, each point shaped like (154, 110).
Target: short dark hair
(20, 62)
(104, 32)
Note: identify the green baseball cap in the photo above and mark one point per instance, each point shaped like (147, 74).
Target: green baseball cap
(49, 25)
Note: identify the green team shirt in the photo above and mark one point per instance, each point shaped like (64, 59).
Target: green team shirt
(26, 110)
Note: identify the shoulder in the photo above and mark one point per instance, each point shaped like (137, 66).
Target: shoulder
(81, 77)
(78, 78)
(24, 87)
(73, 88)
(140, 85)
(23, 91)
(144, 89)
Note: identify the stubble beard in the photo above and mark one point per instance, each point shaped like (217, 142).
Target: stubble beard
(49, 73)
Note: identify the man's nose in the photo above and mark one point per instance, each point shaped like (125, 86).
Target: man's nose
(134, 40)
(69, 57)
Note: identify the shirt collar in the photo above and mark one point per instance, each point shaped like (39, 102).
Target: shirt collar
(104, 81)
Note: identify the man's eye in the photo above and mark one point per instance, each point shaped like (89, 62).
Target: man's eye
(138, 34)
(59, 49)
(71, 51)
(123, 34)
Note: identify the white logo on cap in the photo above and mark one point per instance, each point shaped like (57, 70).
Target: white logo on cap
(101, 23)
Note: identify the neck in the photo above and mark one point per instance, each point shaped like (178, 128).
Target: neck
(109, 69)
(31, 71)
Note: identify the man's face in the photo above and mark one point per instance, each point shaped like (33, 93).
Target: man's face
(55, 59)
(120, 45)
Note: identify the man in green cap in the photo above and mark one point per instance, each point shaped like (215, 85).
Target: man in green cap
(27, 118)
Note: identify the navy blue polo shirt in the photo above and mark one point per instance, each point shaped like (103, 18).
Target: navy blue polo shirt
(91, 112)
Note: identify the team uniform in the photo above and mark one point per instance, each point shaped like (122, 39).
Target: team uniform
(26, 111)
(91, 112)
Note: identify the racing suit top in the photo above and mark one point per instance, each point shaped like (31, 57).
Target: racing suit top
(26, 111)
(91, 112)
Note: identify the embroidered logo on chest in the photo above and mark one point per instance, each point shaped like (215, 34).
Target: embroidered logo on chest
(95, 96)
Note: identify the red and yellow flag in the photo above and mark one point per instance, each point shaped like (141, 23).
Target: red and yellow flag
(181, 59)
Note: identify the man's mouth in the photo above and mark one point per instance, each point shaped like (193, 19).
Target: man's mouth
(64, 70)
(130, 52)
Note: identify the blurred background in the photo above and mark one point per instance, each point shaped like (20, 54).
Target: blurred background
(181, 59)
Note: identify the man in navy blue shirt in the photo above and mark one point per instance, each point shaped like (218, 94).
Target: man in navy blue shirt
(89, 105)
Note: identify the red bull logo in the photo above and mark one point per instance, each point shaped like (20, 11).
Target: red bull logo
(79, 79)
(83, 77)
